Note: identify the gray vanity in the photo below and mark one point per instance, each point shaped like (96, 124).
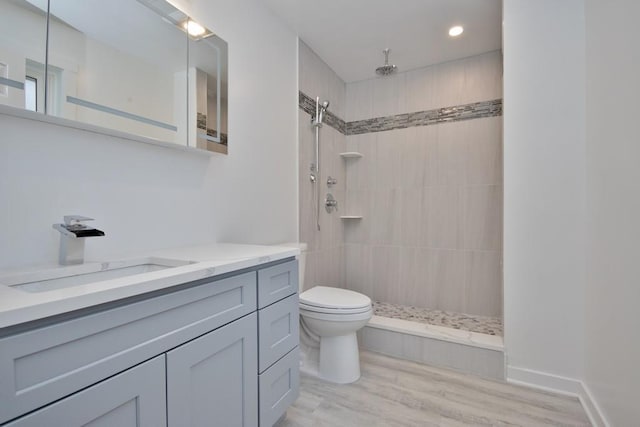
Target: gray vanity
(219, 351)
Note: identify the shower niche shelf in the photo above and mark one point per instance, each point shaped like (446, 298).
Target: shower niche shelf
(351, 217)
(351, 155)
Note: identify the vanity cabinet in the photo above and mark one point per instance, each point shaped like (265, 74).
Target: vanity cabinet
(184, 356)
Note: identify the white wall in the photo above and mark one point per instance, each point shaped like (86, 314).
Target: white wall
(571, 296)
(256, 186)
(148, 197)
(613, 201)
(544, 198)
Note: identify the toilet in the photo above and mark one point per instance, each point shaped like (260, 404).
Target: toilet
(329, 320)
(333, 316)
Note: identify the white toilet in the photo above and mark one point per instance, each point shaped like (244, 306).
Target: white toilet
(329, 320)
(334, 316)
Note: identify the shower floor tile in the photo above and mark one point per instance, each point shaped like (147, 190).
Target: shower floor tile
(468, 322)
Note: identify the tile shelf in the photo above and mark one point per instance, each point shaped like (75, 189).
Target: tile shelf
(351, 155)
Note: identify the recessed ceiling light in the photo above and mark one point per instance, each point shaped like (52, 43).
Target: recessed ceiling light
(194, 29)
(455, 31)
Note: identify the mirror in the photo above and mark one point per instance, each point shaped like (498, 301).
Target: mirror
(115, 64)
(23, 35)
(209, 78)
(137, 66)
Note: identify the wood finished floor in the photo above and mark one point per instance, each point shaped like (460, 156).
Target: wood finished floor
(394, 392)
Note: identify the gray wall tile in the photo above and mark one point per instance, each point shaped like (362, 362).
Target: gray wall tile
(483, 217)
(429, 186)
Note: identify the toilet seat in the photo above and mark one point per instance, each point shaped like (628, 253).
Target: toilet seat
(335, 311)
(325, 299)
(365, 314)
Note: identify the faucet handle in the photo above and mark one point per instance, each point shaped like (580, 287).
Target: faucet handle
(75, 220)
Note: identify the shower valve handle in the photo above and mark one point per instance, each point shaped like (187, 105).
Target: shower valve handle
(330, 203)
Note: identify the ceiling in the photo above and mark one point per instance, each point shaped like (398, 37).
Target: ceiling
(349, 35)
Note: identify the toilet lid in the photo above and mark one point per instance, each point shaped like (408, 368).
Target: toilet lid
(333, 298)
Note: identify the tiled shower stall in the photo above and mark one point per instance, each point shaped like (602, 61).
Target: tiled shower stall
(428, 188)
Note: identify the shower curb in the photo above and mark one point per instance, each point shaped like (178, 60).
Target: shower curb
(393, 337)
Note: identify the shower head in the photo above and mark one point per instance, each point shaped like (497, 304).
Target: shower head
(387, 68)
(321, 108)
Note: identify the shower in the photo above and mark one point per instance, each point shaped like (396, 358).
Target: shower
(314, 176)
(387, 68)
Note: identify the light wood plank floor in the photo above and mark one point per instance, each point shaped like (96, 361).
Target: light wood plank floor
(394, 392)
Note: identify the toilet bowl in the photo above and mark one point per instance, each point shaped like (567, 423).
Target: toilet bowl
(333, 316)
(329, 320)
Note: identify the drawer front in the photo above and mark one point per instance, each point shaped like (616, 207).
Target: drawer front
(134, 398)
(46, 364)
(279, 388)
(279, 330)
(277, 282)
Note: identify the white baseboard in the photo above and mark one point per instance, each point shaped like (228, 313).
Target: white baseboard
(590, 404)
(561, 385)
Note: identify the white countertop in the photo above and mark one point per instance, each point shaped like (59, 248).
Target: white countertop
(18, 306)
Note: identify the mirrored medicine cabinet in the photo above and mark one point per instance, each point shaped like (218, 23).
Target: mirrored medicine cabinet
(141, 67)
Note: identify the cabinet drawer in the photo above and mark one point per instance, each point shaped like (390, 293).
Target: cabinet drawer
(133, 398)
(279, 388)
(277, 282)
(46, 364)
(278, 330)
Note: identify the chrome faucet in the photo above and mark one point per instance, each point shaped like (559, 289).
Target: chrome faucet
(73, 233)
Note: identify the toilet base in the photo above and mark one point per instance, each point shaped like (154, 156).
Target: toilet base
(339, 359)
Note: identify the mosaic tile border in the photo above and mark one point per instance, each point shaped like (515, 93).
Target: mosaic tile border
(202, 124)
(308, 105)
(476, 110)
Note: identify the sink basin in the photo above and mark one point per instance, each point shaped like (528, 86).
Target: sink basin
(84, 274)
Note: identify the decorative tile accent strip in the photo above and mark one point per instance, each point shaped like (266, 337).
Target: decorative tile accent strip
(223, 136)
(308, 105)
(201, 121)
(468, 322)
(202, 124)
(477, 110)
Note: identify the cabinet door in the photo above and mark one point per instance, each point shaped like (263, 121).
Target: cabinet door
(135, 398)
(212, 380)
